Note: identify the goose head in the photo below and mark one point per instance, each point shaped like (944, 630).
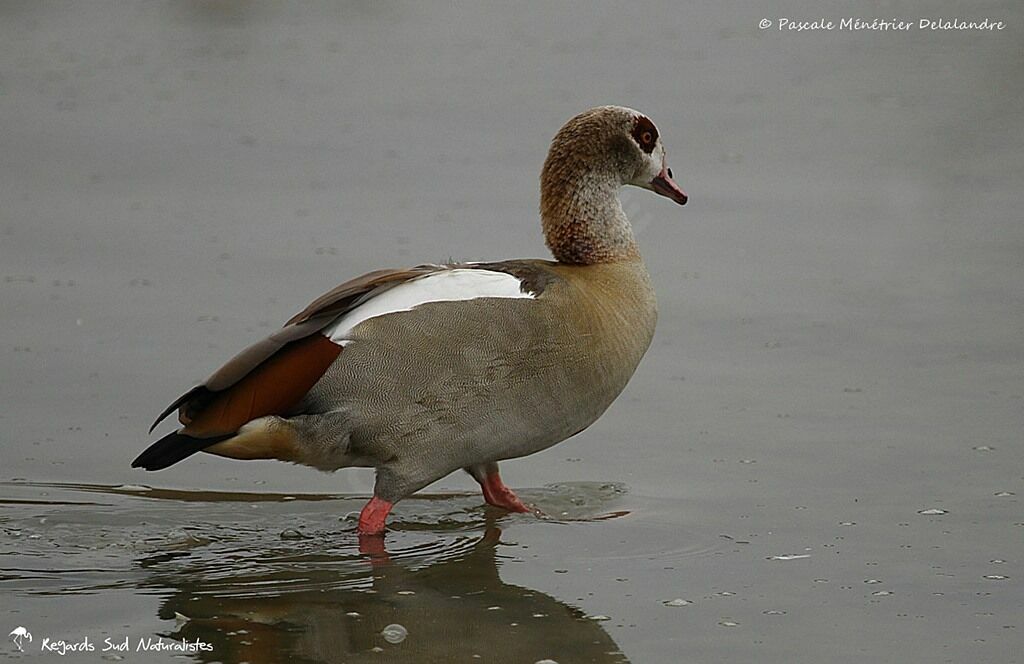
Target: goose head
(592, 156)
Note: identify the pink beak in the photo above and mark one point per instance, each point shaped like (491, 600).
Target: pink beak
(664, 184)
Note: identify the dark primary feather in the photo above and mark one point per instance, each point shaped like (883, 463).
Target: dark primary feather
(172, 448)
(196, 391)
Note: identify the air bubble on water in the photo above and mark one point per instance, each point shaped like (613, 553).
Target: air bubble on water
(997, 561)
(728, 622)
(995, 577)
(394, 633)
(599, 618)
(933, 511)
(881, 593)
(354, 614)
(290, 534)
(983, 448)
(679, 601)
(406, 592)
(847, 523)
(872, 581)
(774, 612)
(1004, 494)
(789, 556)
(545, 661)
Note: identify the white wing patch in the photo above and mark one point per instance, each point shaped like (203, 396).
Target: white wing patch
(445, 286)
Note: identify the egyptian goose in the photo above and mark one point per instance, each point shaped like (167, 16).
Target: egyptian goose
(419, 372)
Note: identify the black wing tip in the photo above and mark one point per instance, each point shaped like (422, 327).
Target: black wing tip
(172, 448)
(170, 409)
(195, 391)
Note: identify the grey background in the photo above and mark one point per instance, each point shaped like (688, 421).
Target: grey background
(841, 337)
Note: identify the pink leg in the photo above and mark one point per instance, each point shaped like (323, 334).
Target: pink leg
(373, 516)
(499, 495)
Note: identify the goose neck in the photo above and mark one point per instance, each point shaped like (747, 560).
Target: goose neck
(583, 220)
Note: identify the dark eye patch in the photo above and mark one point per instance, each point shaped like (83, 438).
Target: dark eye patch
(645, 134)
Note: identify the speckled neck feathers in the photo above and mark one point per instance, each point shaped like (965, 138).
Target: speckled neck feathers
(589, 161)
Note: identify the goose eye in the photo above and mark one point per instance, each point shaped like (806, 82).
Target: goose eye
(670, 174)
(645, 134)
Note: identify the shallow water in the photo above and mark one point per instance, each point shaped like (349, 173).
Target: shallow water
(283, 576)
(819, 459)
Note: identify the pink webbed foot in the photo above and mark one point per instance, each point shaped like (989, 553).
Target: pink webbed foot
(499, 495)
(373, 516)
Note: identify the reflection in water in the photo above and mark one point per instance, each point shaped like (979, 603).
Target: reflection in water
(271, 578)
(452, 610)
